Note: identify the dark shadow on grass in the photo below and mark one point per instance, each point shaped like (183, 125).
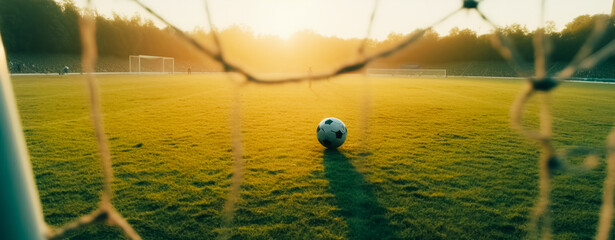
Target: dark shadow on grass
(365, 217)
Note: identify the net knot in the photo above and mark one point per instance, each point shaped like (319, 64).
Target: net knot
(544, 84)
(554, 163)
(228, 67)
(470, 4)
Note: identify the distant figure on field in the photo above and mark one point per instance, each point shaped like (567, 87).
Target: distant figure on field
(64, 70)
(189, 70)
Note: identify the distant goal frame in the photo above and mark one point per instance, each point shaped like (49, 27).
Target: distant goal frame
(139, 57)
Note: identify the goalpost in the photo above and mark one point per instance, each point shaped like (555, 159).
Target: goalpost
(405, 72)
(151, 64)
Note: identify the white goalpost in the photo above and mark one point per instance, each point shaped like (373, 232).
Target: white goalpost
(405, 72)
(151, 64)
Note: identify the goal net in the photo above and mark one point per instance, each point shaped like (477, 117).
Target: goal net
(402, 72)
(151, 64)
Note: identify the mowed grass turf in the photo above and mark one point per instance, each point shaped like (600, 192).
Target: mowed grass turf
(436, 160)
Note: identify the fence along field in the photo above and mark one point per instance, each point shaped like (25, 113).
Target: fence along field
(538, 84)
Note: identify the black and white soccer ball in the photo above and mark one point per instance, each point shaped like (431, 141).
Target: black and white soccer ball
(331, 132)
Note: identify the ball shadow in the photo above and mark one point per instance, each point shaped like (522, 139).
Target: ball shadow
(359, 206)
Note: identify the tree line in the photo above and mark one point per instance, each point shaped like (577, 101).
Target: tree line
(48, 27)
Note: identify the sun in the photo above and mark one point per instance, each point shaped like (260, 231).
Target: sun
(282, 18)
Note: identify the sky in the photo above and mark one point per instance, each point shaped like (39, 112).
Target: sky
(350, 18)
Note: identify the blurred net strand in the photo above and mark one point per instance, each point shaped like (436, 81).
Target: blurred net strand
(540, 222)
(368, 33)
(214, 33)
(541, 209)
(234, 193)
(606, 211)
(97, 216)
(106, 212)
(541, 53)
(541, 218)
(365, 110)
(586, 49)
(250, 77)
(542, 46)
(505, 47)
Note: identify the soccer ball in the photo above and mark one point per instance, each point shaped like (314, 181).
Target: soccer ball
(331, 132)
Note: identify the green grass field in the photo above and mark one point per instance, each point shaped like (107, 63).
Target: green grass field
(438, 159)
